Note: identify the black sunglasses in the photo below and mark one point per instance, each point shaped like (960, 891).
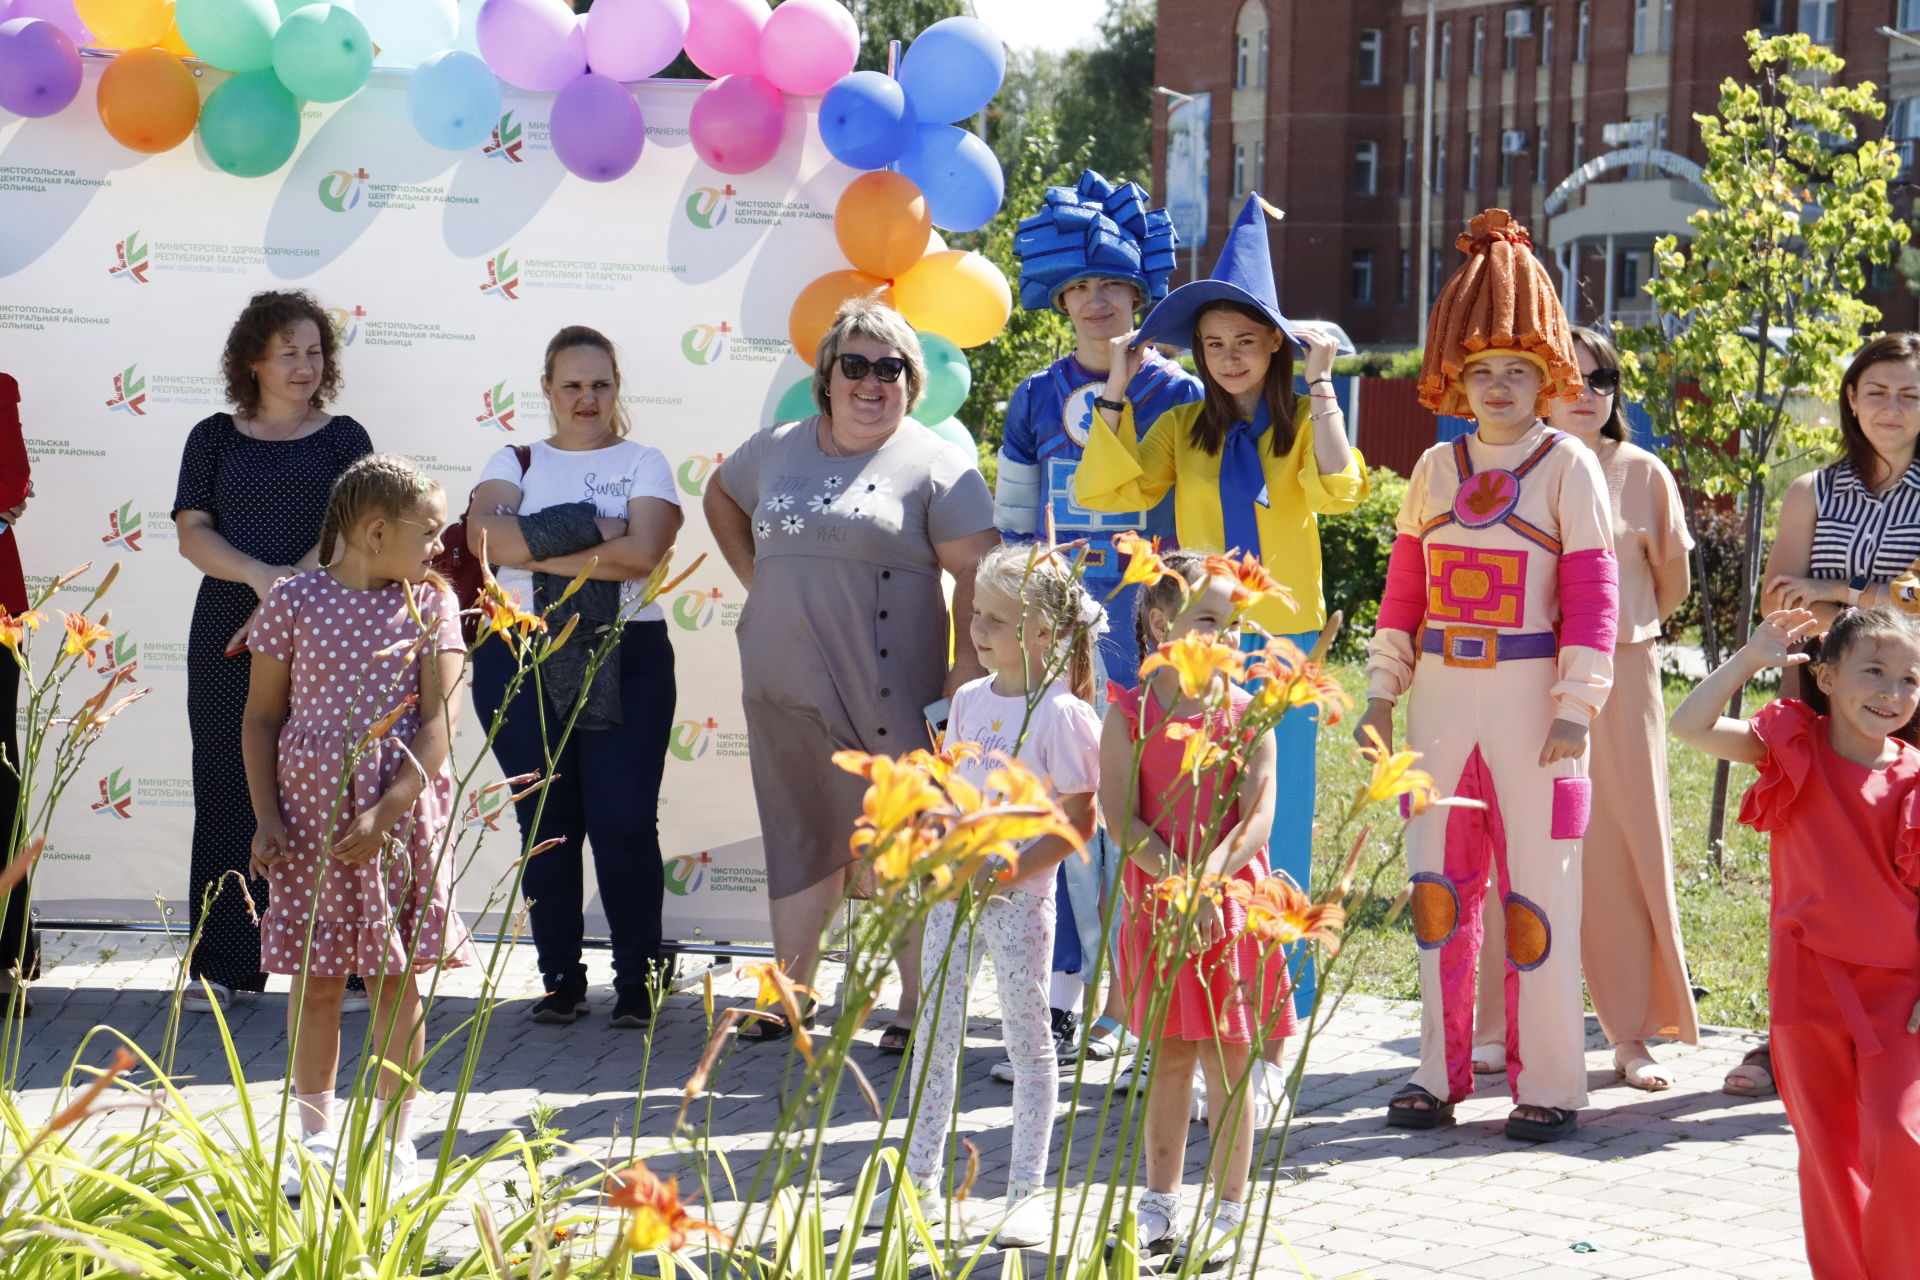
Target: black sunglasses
(886, 368)
(1603, 381)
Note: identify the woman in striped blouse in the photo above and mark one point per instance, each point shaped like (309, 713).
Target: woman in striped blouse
(1847, 530)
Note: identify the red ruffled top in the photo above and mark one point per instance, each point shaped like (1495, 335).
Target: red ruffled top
(14, 477)
(1845, 841)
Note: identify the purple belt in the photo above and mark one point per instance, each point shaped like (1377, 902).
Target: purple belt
(1483, 646)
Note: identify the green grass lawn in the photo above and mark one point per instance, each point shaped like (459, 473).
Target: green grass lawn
(1723, 915)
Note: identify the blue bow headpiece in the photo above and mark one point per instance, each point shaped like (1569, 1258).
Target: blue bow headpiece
(1094, 229)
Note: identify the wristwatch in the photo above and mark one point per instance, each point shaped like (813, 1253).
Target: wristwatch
(1855, 585)
(1118, 406)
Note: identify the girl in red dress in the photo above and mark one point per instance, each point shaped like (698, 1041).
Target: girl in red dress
(1224, 999)
(1836, 795)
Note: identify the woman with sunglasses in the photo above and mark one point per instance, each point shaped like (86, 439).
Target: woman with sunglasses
(1630, 946)
(840, 525)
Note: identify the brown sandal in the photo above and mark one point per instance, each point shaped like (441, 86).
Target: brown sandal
(1753, 1078)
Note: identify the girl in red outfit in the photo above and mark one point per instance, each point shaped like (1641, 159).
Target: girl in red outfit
(1844, 983)
(1224, 999)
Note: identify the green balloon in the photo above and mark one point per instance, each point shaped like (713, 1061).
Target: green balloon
(952, 429)
(250, 125)
(949, 379)
(322, 53)
(234, 35)
(797, 402)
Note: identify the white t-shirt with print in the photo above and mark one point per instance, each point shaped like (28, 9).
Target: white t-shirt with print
(607, 477)
(1061, 746)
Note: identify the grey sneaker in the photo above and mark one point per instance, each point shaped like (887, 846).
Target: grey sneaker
(1216, 1241)
(1026, 1220)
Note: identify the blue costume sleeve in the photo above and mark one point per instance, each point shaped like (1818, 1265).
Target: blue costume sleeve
(1016, 494)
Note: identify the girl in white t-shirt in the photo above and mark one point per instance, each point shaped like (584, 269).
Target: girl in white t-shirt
(586, 495)
(1028, 612)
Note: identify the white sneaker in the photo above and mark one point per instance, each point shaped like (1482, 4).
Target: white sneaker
(1270, 1100)
(1002, 1071)
(1215, 1242)
(1199, 1112)
(403, 1168)
(204, 997)
(925, 1186)
(1025, 1219)
(1133, 1075)
(355, 1002)
(321, 1149)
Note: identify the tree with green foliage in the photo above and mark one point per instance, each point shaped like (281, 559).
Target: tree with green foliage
(1106, 95)
(1762, 305)
(883, 20)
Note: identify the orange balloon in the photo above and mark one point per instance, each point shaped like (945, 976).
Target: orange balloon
(882, 223)
(960, 296)
(126, 24)
(148, 100)
(818, 303)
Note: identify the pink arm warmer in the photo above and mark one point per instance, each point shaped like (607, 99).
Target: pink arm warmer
(1589, 599)
(1404, 604)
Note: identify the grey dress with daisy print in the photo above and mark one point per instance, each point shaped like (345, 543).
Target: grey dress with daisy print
(844, 637)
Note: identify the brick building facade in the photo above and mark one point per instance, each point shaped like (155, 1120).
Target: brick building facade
(1321, 108)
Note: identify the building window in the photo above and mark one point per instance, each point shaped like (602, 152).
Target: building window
(1473, 160)
(1406, 163)
(1360, 284)
(1479, 46)
(1370, 55)
(1403, 289)
(1413, 55)
(1510, 46)
(1643, 33)
(1903, 127)
(1660, 132)
(1506, 162)
(1909, 14)
(1260, 164)
(1446, 51)
(1437, 267)
(1817, 20)
(1666, 25)
(1579, 143)
(1243, 63)
(1366, 169)
(1546, 37)
(1772, 19)
(1260, 65)
(1540, 153)
(1239, 168)
(1440, 164)
(1583, 27)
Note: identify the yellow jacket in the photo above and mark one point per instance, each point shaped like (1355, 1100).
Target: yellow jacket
(1117, 474)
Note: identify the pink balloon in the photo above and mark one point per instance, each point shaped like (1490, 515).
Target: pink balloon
(597, 130)
(723, 36)
(59, 12)
(535, 44)
(737, 123)
(632, 39)
(807, 45)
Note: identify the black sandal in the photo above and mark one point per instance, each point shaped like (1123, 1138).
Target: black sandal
(895, 1040)
(766, 1028)
(1401, 1115)
(1563, 1125)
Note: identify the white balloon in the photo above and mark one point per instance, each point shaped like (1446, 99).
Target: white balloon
(408, 32)
(288, 6)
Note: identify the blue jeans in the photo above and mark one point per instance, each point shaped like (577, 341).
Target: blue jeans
(605, 794)
(1290, 844)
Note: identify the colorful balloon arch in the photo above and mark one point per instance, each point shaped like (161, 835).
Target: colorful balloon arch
(925, 171)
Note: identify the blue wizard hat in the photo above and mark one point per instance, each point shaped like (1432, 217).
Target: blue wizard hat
(1094, 228)
(1243, 274)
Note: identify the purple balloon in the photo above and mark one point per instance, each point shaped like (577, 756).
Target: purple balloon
(39, 67)
(632, 39)
(60, 13)
(535, 44)
(737, 123)
(596, 128)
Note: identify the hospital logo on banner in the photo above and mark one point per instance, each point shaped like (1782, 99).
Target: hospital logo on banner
(497, 407)
(694, 473)
(343, 189)
(706, 343)
(507, 141)
(693, 610)
(346, 324)
(486, 807)
(708, 207)
(693, 739)
(503, 276)
(131, 260)
(123, 528)
(116, 796)
(121, 651)
(688, 874)
(129, 392)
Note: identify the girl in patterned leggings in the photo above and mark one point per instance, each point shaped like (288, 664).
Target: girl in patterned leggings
(1028, 611)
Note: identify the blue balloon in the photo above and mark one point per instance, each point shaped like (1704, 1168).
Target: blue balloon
(866, 120)
(454, 99)
(953, 70)
(958, 174)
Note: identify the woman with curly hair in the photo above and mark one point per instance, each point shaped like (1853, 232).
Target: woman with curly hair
(253, 489)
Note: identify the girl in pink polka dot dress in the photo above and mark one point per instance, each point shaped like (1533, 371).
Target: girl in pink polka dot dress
(359, 876)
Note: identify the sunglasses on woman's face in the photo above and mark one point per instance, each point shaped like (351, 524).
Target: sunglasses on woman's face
(1603, 382)
(886, 368)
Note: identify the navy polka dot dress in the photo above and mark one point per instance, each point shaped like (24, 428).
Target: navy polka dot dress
(267, 498)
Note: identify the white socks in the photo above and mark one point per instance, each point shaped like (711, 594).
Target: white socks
(1064, 991)
(316, 1112)
(400, 1111)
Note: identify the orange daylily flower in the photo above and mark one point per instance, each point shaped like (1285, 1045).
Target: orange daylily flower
(1278, 913)
(660, 1220)
(1144, 565)
(777, 988)
(1198, 658)
(1180, 891)
(379, 728)
(83, 635)
(1394, 775)
(1251, 581)
(82, 1105)
(501, 613)
(14, 627)
(898, 791)
(1201, 751)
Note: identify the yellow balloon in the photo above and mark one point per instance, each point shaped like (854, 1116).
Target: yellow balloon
(126, 24)
(960, 296)
(174, 45)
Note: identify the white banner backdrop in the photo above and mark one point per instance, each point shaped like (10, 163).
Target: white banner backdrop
(445, 273)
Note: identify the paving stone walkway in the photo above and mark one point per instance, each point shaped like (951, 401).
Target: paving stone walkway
(1683, 1183)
